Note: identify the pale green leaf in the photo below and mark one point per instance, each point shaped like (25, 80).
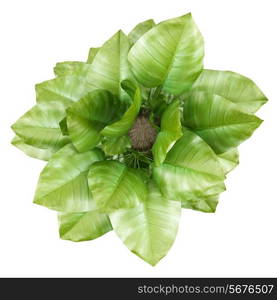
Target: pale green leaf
(88, 116)
(110, 66)
(232, 86)
(63, 184)
(39, 127)
(171, 131)
(65, 89)
(116, 145)
(170, 54)
(218, 121)
(91, 55)
(206, 204)
(122, 126)
(229, 160)
(43, 154)
(83, 226)
(115, 186)
(140, 30)
(191, 170)
(66, 68)
(150, 228)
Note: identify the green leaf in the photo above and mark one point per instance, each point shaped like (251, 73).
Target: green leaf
(39, 127)
(66, 68)
(170, 54)
(63, 182)
(122, 126)
(113, 146)
(65, 89)
(171, 131)
(43, 154)
(115, 186)
(229, 160)
(110, 66)
(129, 87)
(206, 204)
(139, 30)
(218, 121)
(232, 86)
(150, 228)
(88, 116)
(91, 55)
(83, 226)
(191, 170)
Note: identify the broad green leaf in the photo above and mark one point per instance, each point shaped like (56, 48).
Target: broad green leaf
(63, 126)
(88, 116)
(170, 54)
(191, 170)
(66, 68)
(91, 55)
(229, 160)
(63, 184)
(65, 89)
(171, 131)
(150, 228)
(43, 154)
(122, 126)
(232, 86)
(110, 66)
(39, 127)
(83, 226)
(206, 204)
(140, 30)
(115, 186)
(116, 145)
(218, 121)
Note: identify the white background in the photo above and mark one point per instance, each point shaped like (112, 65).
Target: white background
(238, 240)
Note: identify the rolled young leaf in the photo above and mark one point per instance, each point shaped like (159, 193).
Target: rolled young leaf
(114, 186)
(140, 29)
(83, 226)
(171, 131)
(63, 182)
(170, 54)
(110, 66)
(191, 170)
(218, 121)
(39, 153)
(232, 86)
(129, 87)
(122, 126)
(63, 126)
(150, 228)
(88, 116)
(39, 127)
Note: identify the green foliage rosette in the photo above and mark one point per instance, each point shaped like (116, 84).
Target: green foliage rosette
(136, 133)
